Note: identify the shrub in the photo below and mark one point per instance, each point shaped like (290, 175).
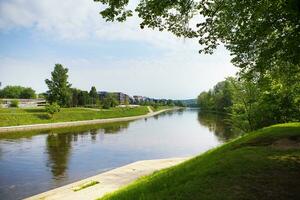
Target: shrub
(51, 109)
(14, 103)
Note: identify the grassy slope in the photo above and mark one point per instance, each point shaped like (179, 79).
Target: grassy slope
(12, 117)
(251, 167)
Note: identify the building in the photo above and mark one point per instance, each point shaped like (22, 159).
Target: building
(24, 103)
(102, 94)
(122, 98)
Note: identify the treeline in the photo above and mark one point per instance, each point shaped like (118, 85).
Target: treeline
(253, 103)
(61, 92)
(161, 102)
(17, 92)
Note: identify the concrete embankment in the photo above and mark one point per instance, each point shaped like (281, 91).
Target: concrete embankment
(108, 181)
(76, 123)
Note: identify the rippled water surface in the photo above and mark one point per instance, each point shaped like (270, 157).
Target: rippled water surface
(34, 162)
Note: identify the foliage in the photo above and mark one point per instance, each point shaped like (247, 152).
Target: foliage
(263, 38)
(93, 95)
(244, 168)
(161, 103)
(59, 87)
(218, 99)
(17, 92)
(256, 103)
(109, 101)
(84, 98)
(51, 109)
(259, 34)
(14, 103)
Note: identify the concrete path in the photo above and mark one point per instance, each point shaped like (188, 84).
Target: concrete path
(108, 181)
(76, 123)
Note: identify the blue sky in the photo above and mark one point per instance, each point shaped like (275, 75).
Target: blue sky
(34, 35)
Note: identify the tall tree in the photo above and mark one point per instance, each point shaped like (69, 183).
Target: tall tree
(59, 87)
(93, 94)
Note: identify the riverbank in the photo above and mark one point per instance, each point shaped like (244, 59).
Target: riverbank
(264, 164)
(125, 114)
(108, 181)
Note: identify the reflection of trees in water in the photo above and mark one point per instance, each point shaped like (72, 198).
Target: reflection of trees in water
(115, 128)
(180, 111)
(59, 145)
(167, 113)
(93, 133)
(58, 149)
(217, 123)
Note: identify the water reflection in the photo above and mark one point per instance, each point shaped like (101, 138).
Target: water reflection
(59, 146)
(111, 129)
(43, 160)
(58, 151)
(217, 124)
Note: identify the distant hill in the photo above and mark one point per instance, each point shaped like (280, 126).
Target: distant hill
(190, 102)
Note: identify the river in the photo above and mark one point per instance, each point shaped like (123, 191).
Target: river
(34, 162)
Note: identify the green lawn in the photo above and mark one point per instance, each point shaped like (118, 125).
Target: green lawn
(17, 116)
(260, 165)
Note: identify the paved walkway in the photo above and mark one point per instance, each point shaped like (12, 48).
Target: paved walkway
(76, 123)
(108, 181)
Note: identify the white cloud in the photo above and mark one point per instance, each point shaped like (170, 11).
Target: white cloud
(181, 72)
(72, 19)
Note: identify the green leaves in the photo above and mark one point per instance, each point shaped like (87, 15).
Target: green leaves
(53, 108)
(259, 34)
(59, 87)
(17, 92)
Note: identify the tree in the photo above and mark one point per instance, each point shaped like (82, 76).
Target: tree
(17, 92)
(59, 87)
(51, 109)
(14, 103)
(27, 93)
(93, 94)
(259, 34)
(83, 98)
(75, 97)
(109, 101)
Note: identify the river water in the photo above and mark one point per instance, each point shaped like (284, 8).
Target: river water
(34, 162)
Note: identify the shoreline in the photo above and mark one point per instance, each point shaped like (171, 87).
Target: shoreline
(108, 181)
(31, 127)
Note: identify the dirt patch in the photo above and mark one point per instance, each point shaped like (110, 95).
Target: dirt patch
(286, 143)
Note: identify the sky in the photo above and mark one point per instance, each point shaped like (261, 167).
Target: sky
(35, 35)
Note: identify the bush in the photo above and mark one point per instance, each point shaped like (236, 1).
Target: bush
(51, 109)
(14, 103)
(109, 101)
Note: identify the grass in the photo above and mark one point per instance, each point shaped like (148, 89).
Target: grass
(260, 165)
(85, 185)
(17, 116)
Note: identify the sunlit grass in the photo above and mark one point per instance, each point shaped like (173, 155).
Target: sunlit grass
(17, 116)
(85, 185)
(253, 166)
